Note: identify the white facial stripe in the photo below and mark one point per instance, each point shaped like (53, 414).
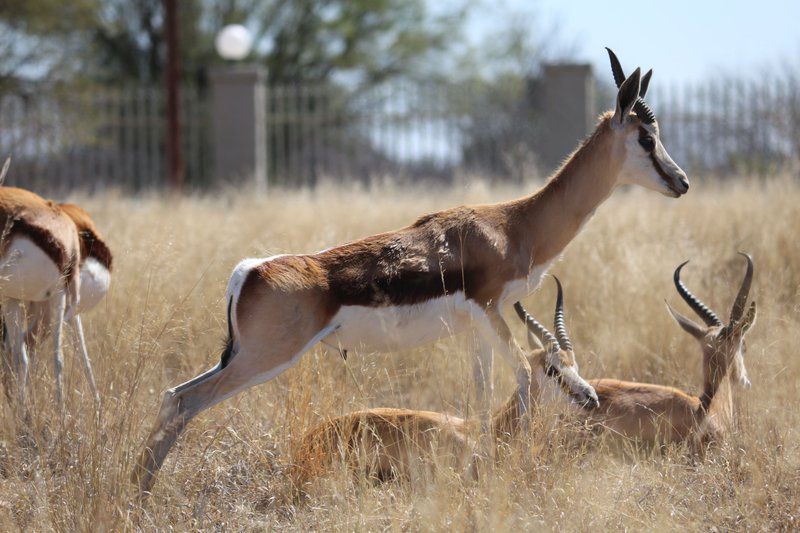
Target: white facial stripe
(638, 168)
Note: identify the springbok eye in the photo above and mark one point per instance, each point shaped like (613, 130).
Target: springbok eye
(551, 371)
(648, 143)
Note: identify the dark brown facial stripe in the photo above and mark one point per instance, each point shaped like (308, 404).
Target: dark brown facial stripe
(660, 170)
(553, 373)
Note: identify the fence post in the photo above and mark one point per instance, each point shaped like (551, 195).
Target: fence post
(569, 109)
(238, 101)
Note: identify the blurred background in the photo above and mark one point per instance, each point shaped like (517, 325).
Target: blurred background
(140, 94)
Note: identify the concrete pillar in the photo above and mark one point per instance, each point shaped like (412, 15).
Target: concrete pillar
(238, 100)
(569, 110)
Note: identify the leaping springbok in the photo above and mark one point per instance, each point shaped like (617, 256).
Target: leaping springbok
(656, 413)
(450, 271)
(53, 266)
(387, 443)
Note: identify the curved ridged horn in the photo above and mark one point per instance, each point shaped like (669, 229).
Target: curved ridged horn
(558, 321)
(645, 83)
(641, 108)
(616, 68)
(697, 306)
(744, 291)
(643, 111)
(548, 339)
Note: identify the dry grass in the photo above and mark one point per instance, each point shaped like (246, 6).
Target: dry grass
(164, 322)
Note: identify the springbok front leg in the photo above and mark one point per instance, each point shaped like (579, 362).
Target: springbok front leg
(494, 330)
(483, 376)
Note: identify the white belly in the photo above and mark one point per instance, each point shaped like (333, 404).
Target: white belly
(95, 280)
(388, 329)
(27, 273)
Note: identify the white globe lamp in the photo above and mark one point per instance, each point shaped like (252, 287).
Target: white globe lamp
(233, 42)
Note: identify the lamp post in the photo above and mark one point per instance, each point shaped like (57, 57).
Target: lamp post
(239, 111)
(174, 149)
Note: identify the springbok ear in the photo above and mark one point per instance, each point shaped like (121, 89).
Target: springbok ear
(689, 326)
(627, 95)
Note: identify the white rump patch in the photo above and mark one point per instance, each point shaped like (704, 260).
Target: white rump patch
(95, 280)
(237, 279)
(27, 273)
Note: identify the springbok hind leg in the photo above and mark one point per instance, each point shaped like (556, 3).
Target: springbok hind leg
(245, 369)
(180, 404)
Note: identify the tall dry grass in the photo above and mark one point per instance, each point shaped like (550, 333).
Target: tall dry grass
(163, 322)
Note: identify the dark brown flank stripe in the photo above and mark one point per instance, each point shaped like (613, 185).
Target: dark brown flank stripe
(383, 271)
(94, 247)
(45, 241)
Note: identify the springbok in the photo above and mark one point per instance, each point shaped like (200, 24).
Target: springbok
(53, 266)
(386, 443)
(450, 271)
(665, 414)
(95, 278)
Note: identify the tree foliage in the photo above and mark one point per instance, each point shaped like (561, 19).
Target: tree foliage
(360, 41)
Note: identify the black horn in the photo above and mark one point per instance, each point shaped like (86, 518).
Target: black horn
(744, 291)
(697, 306)
(616, 68)
(547, 339)
(558, 321)
(645, 83)
(641, 108)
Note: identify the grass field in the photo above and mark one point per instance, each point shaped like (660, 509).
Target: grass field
(164, 322)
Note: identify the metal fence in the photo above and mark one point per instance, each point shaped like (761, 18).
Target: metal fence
(91, 139)
(730, 126)
(403, 131)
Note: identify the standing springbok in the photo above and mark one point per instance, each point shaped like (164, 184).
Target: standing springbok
(95, 279)
(386, 443)
(53, 265)
(448, 272)
(656, 413)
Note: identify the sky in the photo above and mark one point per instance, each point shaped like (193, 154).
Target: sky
(681, 40)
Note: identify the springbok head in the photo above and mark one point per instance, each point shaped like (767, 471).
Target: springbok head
(646, 161)
(553, 359)
(723, 344)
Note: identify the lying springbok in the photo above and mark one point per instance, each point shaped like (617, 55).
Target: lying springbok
(449, 272)
(51, 257)
(386, 443)
(657, 413)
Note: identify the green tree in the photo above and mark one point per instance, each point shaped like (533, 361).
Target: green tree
(360, 41)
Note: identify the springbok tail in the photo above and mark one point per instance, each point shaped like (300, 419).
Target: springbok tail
(227, 353)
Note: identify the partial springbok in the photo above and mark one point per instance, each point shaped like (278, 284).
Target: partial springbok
(53, 266)
(450, 271)
(386, 443)
(95, 279)
(656, 413)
